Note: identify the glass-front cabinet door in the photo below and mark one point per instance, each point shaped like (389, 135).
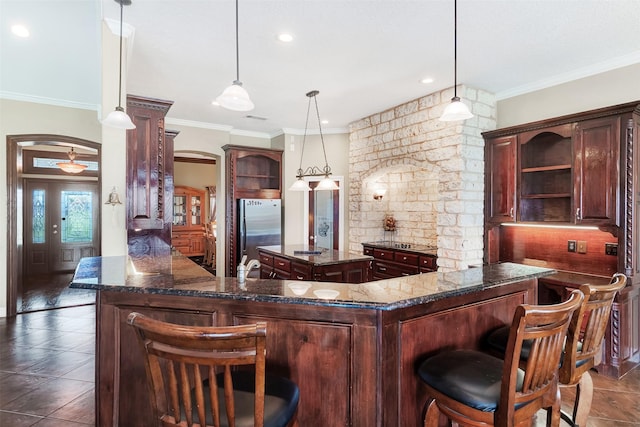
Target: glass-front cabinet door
(180, 210)
(196, 210)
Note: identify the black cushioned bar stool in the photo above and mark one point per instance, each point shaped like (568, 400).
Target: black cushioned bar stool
(474, 388)
(583, 345)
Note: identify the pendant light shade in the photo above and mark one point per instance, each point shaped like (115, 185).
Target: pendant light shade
(235, 97)
(456, 110)
(326, 183)
(118, 118)
(71, 166)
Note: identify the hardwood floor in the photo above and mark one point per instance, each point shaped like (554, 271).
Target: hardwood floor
(47, 375)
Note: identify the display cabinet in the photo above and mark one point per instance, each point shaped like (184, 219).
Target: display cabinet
(187, 234)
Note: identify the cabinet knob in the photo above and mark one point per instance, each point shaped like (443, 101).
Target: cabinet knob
(511, 212)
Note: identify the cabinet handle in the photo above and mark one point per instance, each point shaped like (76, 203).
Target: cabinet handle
(381, 253)
(382, 269)
(578, 217)
(299, 277)
(404, 258)
(511, 212)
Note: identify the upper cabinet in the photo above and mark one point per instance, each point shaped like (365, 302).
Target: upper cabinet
(501, 178)
(545, 171)
(597, 171)
(558, 171)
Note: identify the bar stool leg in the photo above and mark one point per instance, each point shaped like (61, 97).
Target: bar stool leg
(584, 396)
(432, 415)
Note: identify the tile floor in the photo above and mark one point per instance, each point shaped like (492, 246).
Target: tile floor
(47, 368)
(47, 375)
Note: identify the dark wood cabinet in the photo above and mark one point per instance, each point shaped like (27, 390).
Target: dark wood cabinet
(575, 171)
(149, 176)
(251, 173)
(597, 171)
(187, 233)
(501, 178)
(394, 262)
(285, 267)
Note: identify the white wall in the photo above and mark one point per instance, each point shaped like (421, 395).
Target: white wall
(589, 93)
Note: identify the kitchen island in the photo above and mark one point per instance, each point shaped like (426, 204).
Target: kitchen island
(351, 348)
(304, 262)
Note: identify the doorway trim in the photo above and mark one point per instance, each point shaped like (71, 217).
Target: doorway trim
(14, 185)
(305, 230)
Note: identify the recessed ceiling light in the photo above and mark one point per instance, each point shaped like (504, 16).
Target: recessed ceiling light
(285, 37)
(214, 102)
(427, 80)
(20, 30)
(325, 122)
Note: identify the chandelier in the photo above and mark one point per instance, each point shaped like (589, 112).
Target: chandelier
(71, 166)
(326, 183)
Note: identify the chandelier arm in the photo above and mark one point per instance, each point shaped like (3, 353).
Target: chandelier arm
(304, 137)
(324, 151)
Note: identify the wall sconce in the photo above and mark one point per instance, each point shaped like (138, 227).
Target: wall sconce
(114, 199)
(379, 193)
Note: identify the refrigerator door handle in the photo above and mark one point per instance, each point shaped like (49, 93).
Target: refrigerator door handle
(243, 249)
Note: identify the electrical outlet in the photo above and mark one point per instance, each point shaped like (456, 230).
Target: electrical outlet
(571, 245)
(582, 246)
(611, 249)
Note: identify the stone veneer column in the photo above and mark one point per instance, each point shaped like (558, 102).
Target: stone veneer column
(433, 172)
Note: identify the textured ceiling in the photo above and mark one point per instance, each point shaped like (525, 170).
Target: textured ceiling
(363, 56)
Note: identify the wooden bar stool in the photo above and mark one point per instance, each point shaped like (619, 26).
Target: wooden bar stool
(474, 388)
(186, 389)
(583, 346)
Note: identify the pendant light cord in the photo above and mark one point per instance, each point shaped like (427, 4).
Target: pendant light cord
(237, 48)
(120, 69)
(455, 48)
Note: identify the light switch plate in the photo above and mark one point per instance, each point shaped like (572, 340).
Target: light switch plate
(582, 246)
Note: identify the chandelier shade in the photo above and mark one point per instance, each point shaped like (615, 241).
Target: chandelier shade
(326, 183)
(118, 118)
(71, 166)
(457, 110)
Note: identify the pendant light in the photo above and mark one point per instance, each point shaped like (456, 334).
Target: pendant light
(457, 110)
(118, 118)
(326, 183)
(235, 97)
(71, 166)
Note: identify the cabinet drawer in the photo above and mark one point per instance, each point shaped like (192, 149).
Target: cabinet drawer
(428, 262)
(266, 259)
(181, 242)
(388, 269)
(300, 271)
(405, 258)
(368, 251)
(383, 254)
(281, 263)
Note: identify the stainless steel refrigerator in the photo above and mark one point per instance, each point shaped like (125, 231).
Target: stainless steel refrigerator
(260, 224)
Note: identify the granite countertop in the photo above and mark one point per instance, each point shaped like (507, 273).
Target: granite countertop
(325, 257)
(179, 276)
(576, 279)
(408, 247)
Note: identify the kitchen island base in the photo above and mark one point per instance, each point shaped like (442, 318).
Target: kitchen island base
(355, 366)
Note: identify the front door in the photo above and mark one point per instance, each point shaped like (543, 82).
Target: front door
(60, 224)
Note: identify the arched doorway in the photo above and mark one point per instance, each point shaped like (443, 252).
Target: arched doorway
(48, 214)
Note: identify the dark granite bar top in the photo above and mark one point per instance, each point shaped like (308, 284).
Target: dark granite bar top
(573, 279)
(310, 255)
(179, 276)
(408, 247)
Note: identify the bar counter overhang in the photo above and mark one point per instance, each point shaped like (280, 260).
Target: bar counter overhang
(352, 348)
